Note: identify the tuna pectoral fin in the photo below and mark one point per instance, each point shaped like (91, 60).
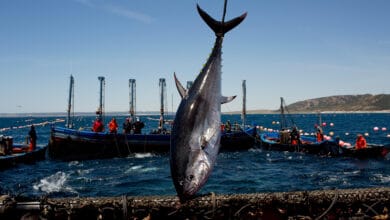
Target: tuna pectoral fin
(218, 27)
(182, 91)
(225, 99)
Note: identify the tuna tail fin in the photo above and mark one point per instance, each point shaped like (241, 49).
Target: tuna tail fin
(220, 28)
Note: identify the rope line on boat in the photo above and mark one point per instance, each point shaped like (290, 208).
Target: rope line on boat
(116, 144)
(127, 144)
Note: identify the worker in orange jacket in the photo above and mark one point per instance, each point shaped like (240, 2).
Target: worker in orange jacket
(361, 142)
(113, 126)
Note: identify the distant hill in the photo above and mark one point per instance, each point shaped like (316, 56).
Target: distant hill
(365, 102)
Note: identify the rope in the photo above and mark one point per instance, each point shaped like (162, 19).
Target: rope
(127, 143)
(224, 12)
(124, 206)
(330, 207)
(116, 144)
(370, 207)
(214, 203)
(242, 208)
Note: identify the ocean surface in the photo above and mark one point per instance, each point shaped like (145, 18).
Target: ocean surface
(251, 171)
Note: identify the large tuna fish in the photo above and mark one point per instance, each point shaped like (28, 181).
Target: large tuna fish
(195, 138)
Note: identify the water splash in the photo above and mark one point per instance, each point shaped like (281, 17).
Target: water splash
(54, 183)
(143, 155)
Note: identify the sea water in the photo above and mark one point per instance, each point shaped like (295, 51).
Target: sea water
(250, 171)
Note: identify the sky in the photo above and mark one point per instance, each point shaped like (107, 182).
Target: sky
(296, 49)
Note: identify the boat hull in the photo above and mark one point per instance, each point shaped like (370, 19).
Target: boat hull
(270, 141)
(70, 144)
(239, 140)
(372, 151)
(13, 159)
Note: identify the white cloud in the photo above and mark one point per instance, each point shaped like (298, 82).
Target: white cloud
(117, 10)
(128, 13)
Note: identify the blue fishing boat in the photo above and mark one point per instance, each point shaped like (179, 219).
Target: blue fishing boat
(67, 143)
(12, 154)
(309, 144)
(288, 138)
(280, 141)
(370, 151)
(71, 144)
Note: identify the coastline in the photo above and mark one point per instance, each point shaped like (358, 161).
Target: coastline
(249, 112)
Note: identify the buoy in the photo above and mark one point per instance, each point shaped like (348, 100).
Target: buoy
(384, 129)
(376, 128)
(366, 134)
(331, 133)
(388, 136)
(331, 124)
(346, 133)
(273, 122)
(323, 124)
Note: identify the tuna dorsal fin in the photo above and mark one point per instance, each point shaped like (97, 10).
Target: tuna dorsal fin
(220, 28)
(182, 91)
(225, 99)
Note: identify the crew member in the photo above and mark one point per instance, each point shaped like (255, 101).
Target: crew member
(294, 136)
(319, 134)
(138, 125)
(98, 125)
(361, 142)
(161, 125)
(127, 126)
(32, 134)
(228, 126)
(113, 126)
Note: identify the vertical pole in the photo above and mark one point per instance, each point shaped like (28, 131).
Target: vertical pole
(100, 110)
(283, 122)
(243, 114)
(132, 98)
(319, 119)
(162, 85)
(69, 123)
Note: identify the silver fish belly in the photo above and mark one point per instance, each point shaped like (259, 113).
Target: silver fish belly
(195, 138)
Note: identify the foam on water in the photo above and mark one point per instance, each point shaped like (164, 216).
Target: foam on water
(143, 155)
(54, 183)
(141, 169)
(382, 178)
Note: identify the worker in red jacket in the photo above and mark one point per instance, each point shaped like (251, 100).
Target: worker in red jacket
(361, 142)
(98, 125)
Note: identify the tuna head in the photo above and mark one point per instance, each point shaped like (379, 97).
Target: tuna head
(196, 174)
(193, 154)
